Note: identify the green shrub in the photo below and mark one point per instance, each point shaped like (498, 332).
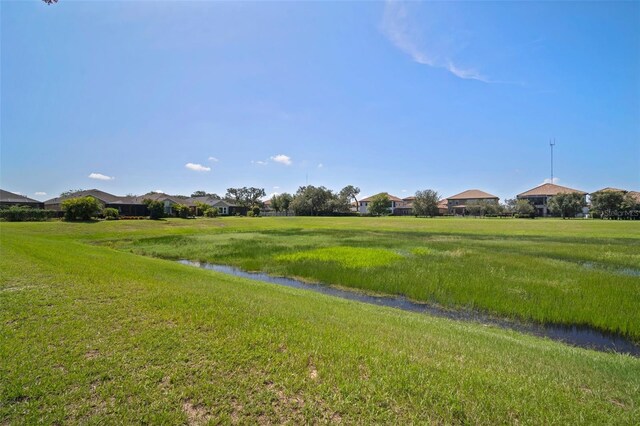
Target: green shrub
(26, 214)
(156, 208)
(181, 210)
(81, 208)
(250, 213)
(212, 212)
(111, 214)
(256, 211)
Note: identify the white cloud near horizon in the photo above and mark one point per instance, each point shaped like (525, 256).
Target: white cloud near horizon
(282, 159)
(259, 162)
(214, 159)
(40, 193)
(405, 35)
(555, 180)
(197, 167)
(100, 176)
(158, 191)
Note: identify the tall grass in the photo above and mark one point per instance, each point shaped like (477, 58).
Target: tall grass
(93, 335)
(576, 278)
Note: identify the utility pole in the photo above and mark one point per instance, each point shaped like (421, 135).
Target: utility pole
(552, 143)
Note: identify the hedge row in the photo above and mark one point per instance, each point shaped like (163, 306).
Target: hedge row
(26, 214)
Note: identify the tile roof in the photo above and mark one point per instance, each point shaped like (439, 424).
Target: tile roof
(635, 195)
(472, 194)
(548, 189)
(105, 197)
(10, 197)
(608, 188)
(391, 197)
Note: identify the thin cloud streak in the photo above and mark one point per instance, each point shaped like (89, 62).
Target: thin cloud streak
(100, 176)
(397, 28)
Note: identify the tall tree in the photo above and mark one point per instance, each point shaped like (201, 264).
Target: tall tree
(205, 194)
(285, 201)
(350, 192)
(245, 197)
(275, 203)
(524, 208)
(313, 201)
(566, 205)
(380, 205)
(607, 203)
(426, 203)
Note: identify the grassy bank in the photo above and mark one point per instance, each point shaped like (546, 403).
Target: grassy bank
(89, 334)
(549, 271)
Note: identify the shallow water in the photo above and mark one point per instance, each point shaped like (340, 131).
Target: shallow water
(632, 272)
(581, 336)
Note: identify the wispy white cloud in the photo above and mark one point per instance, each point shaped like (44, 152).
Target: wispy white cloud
(282, 159)
(259, 162)
(555, 180)
(100, 176)
(276, 187)
(320, 165)
(40, 193)
(214, 159)
(398, 27)
(158, 191)
(197, 167)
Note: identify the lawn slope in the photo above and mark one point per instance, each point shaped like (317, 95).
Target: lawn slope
(89, 334)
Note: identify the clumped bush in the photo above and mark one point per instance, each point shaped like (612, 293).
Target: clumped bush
(111, 214)
(250, 213)
(256, 211)
(81, 208)
(156, 208)
(211, 212)
(26, 214)
(181, 210)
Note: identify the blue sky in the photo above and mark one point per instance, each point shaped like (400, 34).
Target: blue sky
(130, 97)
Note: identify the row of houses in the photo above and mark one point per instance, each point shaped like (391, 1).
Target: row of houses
(454, 205)
(126, 206)
(539, 197)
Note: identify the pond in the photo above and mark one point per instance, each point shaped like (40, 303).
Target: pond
(580, 336)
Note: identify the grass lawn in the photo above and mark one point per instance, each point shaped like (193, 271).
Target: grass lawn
(93, 334)
(549, 271)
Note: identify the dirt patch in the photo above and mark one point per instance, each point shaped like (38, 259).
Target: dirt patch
(313, 371)
(197, 414)
(236, 411)
(92, 354)
(617, 403)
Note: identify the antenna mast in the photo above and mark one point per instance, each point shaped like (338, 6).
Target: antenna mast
(552, 143)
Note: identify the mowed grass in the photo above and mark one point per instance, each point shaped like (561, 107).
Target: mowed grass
(93, 335)
(572, 272)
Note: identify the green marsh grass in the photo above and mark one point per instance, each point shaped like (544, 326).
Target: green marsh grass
(588, 276)
(93, 335)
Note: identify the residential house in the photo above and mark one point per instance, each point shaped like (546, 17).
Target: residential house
(540, 196)
(457, 204)
(168, 200)
(405, 208)
(103, 197)
(8, 199)
(395, 203)
(443, 207)
(225, 207)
